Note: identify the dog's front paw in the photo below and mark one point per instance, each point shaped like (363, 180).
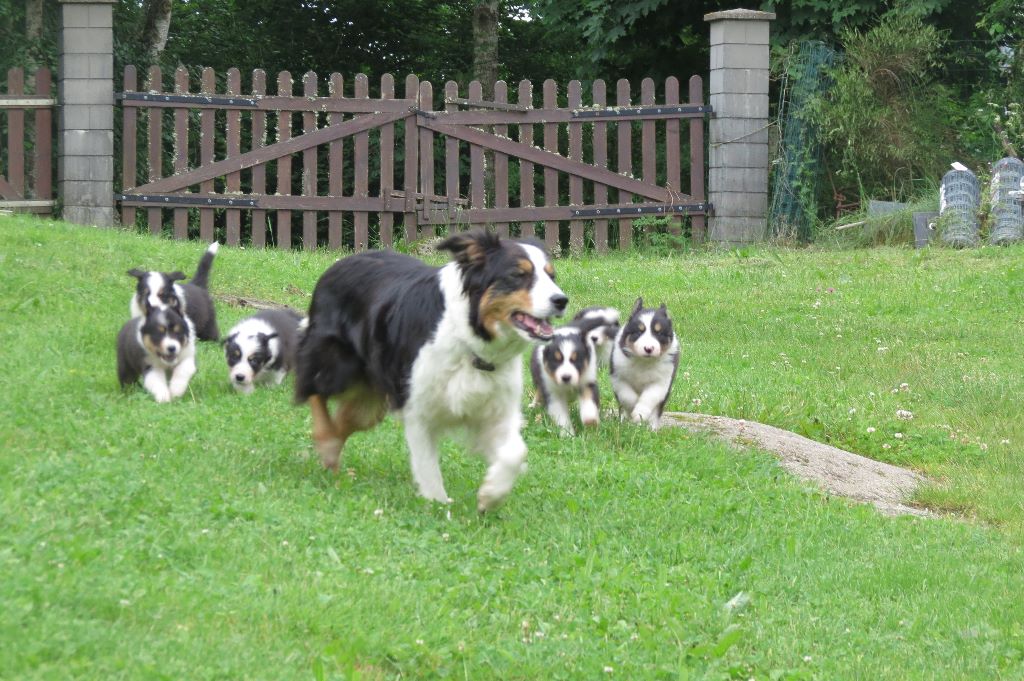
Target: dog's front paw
(161, 395)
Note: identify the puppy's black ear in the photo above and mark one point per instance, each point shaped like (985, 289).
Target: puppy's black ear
(471, 248)
(137, 273)
(175, 276)
(637, 307)
(663, 309)
(264, 337)
(225, 341)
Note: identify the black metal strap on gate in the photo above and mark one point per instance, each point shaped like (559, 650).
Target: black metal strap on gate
(630, 111)
(180, 200)
(627, 211)
(215, 100)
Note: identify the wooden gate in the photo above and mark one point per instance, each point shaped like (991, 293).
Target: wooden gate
(428, 167)
(26, 161)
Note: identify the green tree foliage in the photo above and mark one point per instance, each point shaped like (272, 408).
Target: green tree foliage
(887, 119)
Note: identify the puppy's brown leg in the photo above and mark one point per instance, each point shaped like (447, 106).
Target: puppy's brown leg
(326, 438)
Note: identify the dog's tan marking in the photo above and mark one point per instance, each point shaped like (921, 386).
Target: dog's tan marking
(550, 270)
(358, 409)
(325, 434)
(526, 265)
(588, 393)
(498, 307)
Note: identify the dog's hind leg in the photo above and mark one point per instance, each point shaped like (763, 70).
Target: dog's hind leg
(326, 439)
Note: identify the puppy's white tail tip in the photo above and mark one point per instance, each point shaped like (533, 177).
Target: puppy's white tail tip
(213, 248)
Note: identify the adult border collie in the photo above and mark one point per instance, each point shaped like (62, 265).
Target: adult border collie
(442, 348)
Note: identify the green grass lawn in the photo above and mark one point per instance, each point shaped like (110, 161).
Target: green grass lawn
(202, 539)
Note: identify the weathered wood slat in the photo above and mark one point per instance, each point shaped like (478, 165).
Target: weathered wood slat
(42, 167)
(426, 153)
(526, 191)
(501, 162)
(672, 155)
(574, 94)
(154, 129)
(386, 219)
(452, 185)
(334, 166)
(696, 96)
(284, 161)
(601, 161)
(16, 134)
(477, 189)
(550, 174)
(129, 147)
(361, 188)
(624, 131)
(233, 181)
(207, 130)
(309, 164)
(259, 171)
(180, 148)
(410, 174)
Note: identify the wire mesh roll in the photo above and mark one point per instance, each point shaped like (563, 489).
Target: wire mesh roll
(1007, 214)
(958, 208)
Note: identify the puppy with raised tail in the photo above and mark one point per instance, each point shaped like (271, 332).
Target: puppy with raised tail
(603, 323)
(159, 348)
(191, 300)
(441, 348)
(644, 360)
(261, 348)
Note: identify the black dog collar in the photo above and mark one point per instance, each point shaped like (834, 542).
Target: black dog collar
(482, 364)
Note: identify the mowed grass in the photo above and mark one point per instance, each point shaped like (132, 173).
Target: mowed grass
(201, 539)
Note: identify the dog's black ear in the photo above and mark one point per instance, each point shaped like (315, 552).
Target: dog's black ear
(137, 273)
(264, 337)
(664, 309)
(175, 276)
(225, 341)
(471, 248)
(638, 306)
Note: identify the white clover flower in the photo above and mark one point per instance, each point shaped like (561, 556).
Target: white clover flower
(871, 429)
(886, 446)
(904, 414)
(898, 436)
(853, 410)
(608, 670)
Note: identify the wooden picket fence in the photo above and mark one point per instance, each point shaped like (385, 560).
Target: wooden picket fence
(359, 171)
(26, 159)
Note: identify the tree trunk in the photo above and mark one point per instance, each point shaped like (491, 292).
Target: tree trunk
(33, 19)
(158, 24)
(485, 70)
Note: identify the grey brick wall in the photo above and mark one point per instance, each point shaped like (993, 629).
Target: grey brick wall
(738, 132)
(85, 91)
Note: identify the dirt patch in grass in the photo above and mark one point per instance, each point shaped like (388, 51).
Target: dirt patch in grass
(835, 470)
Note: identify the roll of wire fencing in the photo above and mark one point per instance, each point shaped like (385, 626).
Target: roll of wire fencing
(1006, 209)
(958, 208)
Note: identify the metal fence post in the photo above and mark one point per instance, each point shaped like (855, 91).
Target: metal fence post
(85, 157)
(738, 156)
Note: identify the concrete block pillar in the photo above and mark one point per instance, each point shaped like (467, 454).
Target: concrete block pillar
(738, 131)
(85, 91)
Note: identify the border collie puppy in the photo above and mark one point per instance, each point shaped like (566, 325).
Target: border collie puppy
(602, 334)
(155, 346)
(159, 289)
(261, 348)
(644, 360)
(442, 348)
(565, 370)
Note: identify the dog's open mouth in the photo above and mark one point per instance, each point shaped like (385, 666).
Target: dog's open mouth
(534, 327)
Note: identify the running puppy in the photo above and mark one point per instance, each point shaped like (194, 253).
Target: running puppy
(442, 348)
(644, 360)
(605, 325)
(160, 348)
(261, 348)
(159, 289)
(564, 371)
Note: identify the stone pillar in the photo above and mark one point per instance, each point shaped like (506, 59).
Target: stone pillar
(738, 135)
(85, 96)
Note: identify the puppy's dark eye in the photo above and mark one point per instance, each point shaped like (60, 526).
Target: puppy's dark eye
(641, 328)
(558, 357)
(657, 327)
(177, 328)
(161, 329)
(572, 357)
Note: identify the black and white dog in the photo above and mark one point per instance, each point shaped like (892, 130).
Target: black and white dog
(440, 347)
(644, 360)
(261, 348)
(159, 289)
(564, 371)
(604, 325)
(160, 348)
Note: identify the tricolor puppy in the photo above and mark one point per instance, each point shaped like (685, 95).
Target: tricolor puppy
(160, 348)
(604, 323)
(160, 289)
(644, 360)
(564, 371)
(442, 348)
(261, 348)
